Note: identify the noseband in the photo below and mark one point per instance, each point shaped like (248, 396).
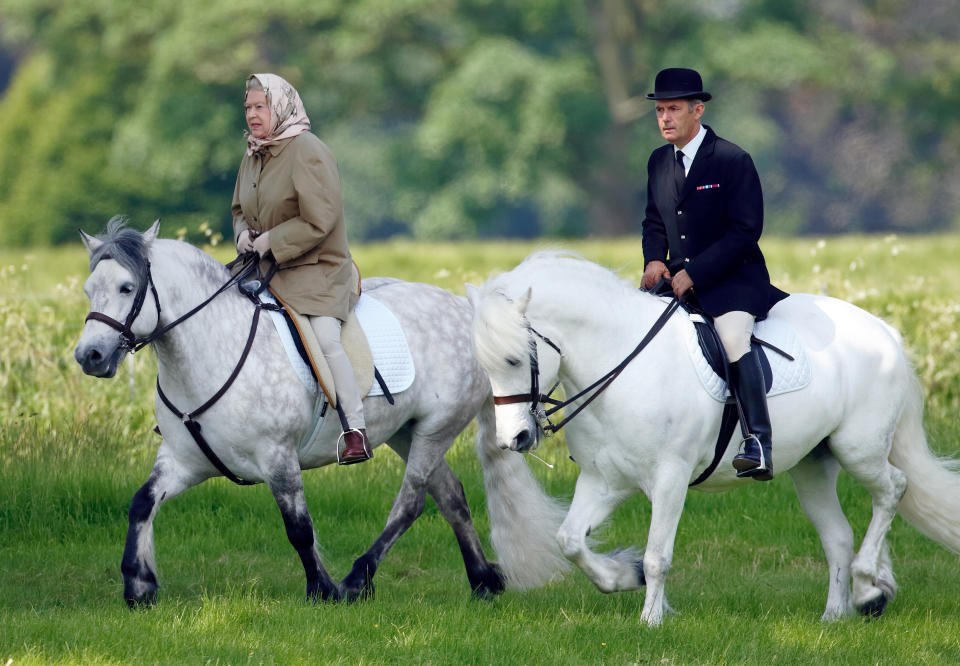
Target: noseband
(536, 399)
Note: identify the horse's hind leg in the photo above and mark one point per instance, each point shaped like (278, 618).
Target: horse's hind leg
(407, 507)
(873, 583)
(286, 484)
(815, 479)
(138, 566)
(426, 470)
(486, 579)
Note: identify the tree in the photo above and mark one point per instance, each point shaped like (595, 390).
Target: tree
(465, 118)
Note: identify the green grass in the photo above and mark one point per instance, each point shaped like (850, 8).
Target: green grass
(749, 577)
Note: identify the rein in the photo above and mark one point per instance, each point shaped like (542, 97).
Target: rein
(535, 398)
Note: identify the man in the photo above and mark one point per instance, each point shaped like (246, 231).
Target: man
(701, 230)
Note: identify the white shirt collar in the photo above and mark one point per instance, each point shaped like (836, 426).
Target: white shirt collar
(690, 150)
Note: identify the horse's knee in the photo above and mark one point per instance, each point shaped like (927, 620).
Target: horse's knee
(655, 567)
(571, 544)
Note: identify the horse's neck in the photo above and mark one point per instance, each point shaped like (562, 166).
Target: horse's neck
(594, 333)
(184, 279)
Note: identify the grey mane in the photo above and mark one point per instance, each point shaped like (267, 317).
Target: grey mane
(123, 245)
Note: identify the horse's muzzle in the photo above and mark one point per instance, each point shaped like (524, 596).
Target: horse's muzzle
(98, 360)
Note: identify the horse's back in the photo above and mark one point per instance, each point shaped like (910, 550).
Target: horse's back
(826, 323)
(859, 369)
(437, 326)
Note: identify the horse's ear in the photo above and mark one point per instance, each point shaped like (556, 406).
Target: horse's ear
(524, 300)
(91, 243)
(150, 234)
(473, 294)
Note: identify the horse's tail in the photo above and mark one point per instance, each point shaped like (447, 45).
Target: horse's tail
(932, 500)
(523, 519)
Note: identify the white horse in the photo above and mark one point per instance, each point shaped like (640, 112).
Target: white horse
(654, 429)
(139, 284)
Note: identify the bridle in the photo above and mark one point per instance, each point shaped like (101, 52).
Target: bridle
(129, 340)
(538, 401)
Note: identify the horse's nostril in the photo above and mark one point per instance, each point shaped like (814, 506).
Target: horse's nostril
(523, 440)
(94, 356)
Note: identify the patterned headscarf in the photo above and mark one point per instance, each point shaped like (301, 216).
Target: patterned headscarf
(288, 118)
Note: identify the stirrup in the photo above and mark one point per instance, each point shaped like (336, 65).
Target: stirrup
(367, 448)
(742, 455)
(760, 470)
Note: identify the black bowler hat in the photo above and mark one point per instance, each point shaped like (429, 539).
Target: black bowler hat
(678, 83)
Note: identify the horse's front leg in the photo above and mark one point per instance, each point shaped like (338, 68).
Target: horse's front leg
(139, 567)
(286, 484)
(593, 501)
(669, 493)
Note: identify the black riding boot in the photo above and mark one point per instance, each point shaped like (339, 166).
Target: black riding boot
(746, 380)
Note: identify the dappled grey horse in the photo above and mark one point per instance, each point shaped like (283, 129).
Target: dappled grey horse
(139, 289)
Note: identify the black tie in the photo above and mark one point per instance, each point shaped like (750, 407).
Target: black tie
(679, 174)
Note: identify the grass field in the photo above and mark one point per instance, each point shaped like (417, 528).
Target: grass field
(749, 577)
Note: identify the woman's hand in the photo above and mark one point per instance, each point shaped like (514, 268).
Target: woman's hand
(261, 244)
(245, 241)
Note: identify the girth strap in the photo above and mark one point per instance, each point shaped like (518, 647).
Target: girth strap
(727, 423)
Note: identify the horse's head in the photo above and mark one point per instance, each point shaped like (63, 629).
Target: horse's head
(517, 360)
(118, 288)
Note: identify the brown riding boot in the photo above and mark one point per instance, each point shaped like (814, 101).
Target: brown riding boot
(357, 447)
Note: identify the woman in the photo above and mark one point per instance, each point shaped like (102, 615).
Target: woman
(287, 203)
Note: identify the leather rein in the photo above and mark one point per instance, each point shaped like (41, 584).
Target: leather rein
(538, 400)
(133, 344)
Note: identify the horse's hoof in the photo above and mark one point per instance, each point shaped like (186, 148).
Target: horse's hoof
(351, 594)
(351, 589)
(140, 593)
(489, 585)
(874, 608)
(141, 601)
(325, 593)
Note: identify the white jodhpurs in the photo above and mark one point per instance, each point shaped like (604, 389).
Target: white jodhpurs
(327, 330)
(735, 329)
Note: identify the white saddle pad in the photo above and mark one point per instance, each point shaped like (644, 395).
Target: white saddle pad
(787, 375)
(388, 344)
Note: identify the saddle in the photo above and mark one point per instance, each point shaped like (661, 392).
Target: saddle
(354, 342)
(308, 360)
(788, 370)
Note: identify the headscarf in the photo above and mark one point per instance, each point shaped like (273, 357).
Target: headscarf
(288, 118)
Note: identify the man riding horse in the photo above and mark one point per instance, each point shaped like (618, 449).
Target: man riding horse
(702, 225)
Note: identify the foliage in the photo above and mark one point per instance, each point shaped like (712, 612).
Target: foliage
(748, 576)
(462, 119)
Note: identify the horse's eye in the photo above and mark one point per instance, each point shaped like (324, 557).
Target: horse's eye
(513, 362)
(126, 288)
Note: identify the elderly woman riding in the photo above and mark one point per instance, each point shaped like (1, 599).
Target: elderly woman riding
(287, 207)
